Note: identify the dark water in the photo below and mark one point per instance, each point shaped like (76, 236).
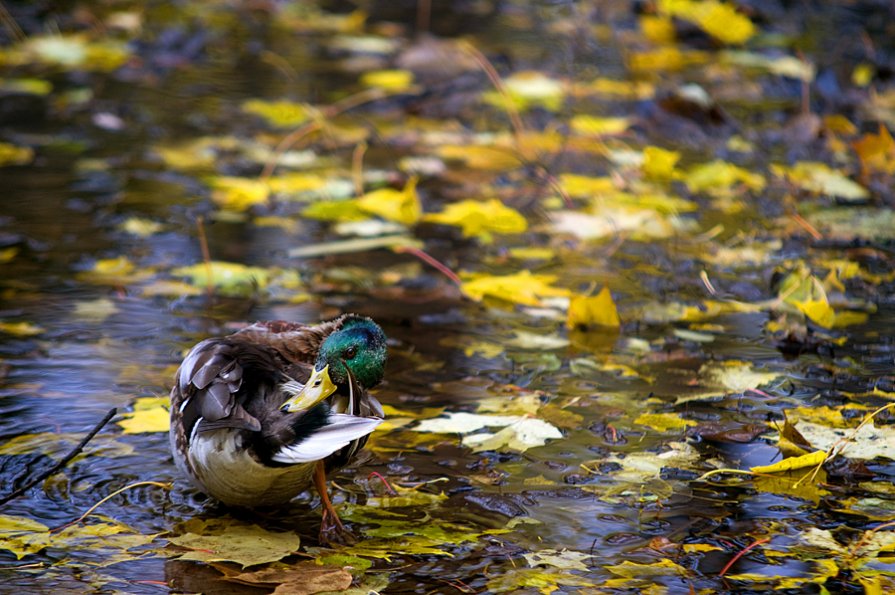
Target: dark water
(104, 343)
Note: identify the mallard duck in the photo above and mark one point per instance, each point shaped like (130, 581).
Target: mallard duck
(259, 415)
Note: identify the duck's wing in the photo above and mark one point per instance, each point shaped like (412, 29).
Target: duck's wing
(337, 431)
(216, 379)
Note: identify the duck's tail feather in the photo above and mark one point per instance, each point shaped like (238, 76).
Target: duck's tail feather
(339, 431)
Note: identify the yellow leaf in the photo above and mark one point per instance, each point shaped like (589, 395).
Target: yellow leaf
(718, 19)
(529, 89)
(520, 288)
(20, 329)
(657, 29)
(8, 254)
(586, 186)
(619, 89)
(662, 422)
(281, 114)
(229, 277)
(481, 218)
(863, 74)
(13, 155)
(666, 58)
(598, 310)
(719, 177)
(820, 178)
(877, 151)
(809, 460)
(335, 210)
(391, 80)
(658, 163)
(402, 206)
(141, 227)
(663, 567)
(238, 194)
(150, 414)
(594, 126)
(296, 183)
(480, 157)
(818, 311)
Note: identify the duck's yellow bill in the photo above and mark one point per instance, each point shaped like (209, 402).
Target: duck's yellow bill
(317, 388)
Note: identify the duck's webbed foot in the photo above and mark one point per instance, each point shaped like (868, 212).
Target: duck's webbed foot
(332, 531)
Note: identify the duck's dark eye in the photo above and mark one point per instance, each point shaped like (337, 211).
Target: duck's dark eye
(350, 352)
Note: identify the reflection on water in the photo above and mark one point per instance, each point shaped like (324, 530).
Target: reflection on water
(103, 344)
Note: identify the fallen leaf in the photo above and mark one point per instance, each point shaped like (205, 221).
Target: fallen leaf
(594, 126)
(480, 218)
(230, 278)
(13, 155)
(150, 414)
(520, 288)
(238, 194)
(280, 114)
(719, 19)
(402, 206)
(20, 329)
(228, 540)
(599, 310)
(663, 422)
(391, 80)
(788, 464)
(564, 559)
(820, 178)
(529, 89)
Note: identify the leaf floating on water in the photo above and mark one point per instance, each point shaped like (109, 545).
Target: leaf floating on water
(564, 559)
(481, 218)
(588, 311)
(809, 460)
(402, 206)
(390, 80)
(150, 414)
(228, 540)
(663, 422)
(719, 19)
(305, 578)
(529, 89)
(13, 155)
(720, 178)
(545, 581)
(229, 277)
(593, 126)
(519, 433)
(238, 194)
(279, 114)
(20, 329)
(58, 445)
(820, 178)
(735, 375)
(867, 443)
(520, 288)
(630, 569)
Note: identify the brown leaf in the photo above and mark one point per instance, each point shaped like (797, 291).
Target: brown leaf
(305, 578)
(728, 432)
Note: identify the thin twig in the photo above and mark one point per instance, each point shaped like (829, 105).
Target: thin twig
(430, 260)
(55, 468)
(742, 553)
(512, 112)
(165, 486)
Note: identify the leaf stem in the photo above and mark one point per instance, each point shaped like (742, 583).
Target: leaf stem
(742, 553)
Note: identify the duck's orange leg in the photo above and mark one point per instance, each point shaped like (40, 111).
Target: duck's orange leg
(331, 528)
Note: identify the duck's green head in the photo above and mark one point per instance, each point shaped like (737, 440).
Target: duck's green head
(352, 356)
(359, 348)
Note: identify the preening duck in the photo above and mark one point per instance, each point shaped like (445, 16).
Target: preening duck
(260, 415)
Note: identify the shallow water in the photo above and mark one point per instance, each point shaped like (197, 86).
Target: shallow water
(104, 344)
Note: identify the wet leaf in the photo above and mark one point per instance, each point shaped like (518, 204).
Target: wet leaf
(114, 271)
(13, 155)
(520, 288)
(229, 277)
(877, 151)
(150, 414)
(630, 569)
(720, 178)
(20, 329)
(58, 445)
(141, 227)
(593, 126)
(545, 581)
(564, 559)
(735, 375)
(719, 19)
(519, 433)
(820, 178)
(663, 422)
(480, 218)
(588, 311)
(238, 194)
(869, 442)
(391, 80)
(227, 540)
(402, 206)
(809, 460)
(480, 157)
(659, 163)
(279, 114)
(529, 89)
(305, 578)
